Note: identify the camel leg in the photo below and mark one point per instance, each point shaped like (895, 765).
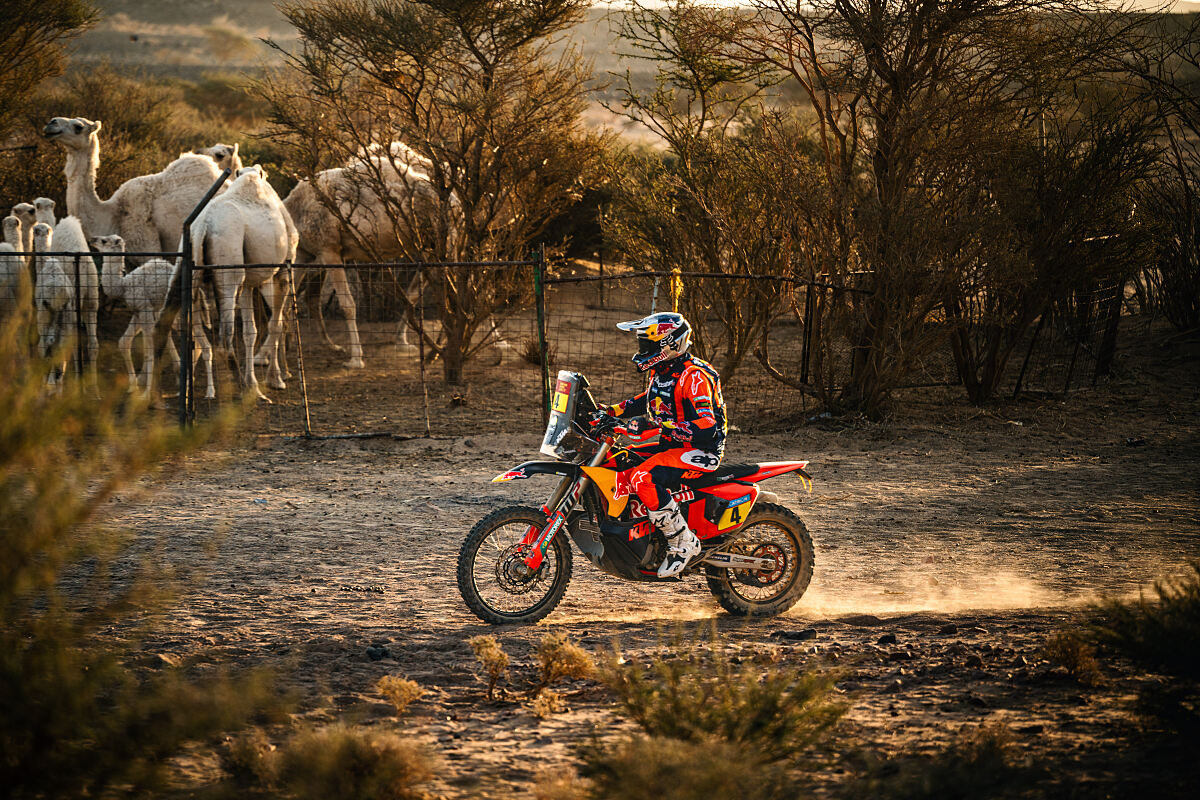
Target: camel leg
(323, 295)
(270, 351)
(262, 356)
(145, 326)
(125, 345)
(417, 303)
(275, 292)
(93, 348)
(204, 351)
(341, 288)
(245, 303)
(227, 302)
(173, 353)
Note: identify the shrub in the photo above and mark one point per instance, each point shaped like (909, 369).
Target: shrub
(1162, 635)
(1069, 651)
(400, 692)
(662, 768)
(701, 696)
(351, 764)
(559, 658)
(492, 659)
(531, 352)
(74, 719)
(251, 760)
(547, 702)
(979, 764)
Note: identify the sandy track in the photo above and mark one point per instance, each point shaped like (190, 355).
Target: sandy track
(1003, 521)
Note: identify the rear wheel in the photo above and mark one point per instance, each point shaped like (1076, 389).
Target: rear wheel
(493, 578)
(773, 532)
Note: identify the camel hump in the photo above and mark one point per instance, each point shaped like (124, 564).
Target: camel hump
(193, 166)
(69, 236)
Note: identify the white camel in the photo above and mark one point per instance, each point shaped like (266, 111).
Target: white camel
(147, 211)
(226, 156)
(248, 224)
(144, 291)
(68, 238)
(323, 238)
(65, 285)
(12, 267)
(43, 211)
(27, 213)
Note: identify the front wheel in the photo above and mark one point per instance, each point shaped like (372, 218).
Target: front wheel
(492, 575)
(774, 532)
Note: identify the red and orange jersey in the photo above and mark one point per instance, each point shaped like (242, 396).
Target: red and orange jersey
(684, 400)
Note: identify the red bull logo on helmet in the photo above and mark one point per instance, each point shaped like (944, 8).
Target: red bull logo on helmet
(659, 330)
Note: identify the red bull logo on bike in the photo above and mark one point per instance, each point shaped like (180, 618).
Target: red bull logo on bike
(511, 475)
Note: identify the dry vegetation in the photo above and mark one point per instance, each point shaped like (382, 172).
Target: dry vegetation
(132, 662)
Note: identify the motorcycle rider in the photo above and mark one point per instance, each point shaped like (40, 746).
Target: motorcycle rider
(683, 404)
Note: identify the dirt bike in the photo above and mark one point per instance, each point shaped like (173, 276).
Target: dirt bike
(515, 564)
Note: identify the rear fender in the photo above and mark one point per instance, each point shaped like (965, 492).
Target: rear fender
(773, 469)
(531, 468)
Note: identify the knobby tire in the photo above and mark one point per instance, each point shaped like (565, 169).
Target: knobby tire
(722, 582)
(544, 602)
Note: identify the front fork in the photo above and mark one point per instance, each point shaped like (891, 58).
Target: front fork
(560, 504)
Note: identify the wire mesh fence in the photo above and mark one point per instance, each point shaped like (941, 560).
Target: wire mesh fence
(392, 349)
(455, 349)
(1073, 343)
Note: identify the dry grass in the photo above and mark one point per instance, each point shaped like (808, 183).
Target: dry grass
(531, 352)
(663, 768)
(1162, 634)
(558, 659)
(547, 702)
(979, 764)
(355, 764)
(400, 692)
(251, 760)
(492, 659)
(1069, 650)
(696, 694)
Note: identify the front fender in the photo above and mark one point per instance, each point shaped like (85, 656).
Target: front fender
(531, 468)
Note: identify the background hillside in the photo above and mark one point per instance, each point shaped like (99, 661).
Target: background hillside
(187, 38)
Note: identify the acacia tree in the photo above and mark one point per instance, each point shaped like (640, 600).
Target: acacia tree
(912, 104)
(32, 36)
(1166, 71)
(488, 110)
(709, 205)
(913, 101)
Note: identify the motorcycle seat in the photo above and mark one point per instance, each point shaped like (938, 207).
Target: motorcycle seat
(722, 474)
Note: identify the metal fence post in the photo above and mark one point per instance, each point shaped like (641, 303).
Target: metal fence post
(299, 352)
(187, 409)
(806, 341)
(539, 290)
(420, 313)
(175, 304)
(79, 336)
(1029, 353)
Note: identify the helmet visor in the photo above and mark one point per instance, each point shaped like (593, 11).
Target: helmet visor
(647, 347)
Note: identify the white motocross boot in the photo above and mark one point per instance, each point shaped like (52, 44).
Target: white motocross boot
(682, 544)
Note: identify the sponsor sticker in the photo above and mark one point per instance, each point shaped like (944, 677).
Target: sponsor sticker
(700, 460)
(511, 475)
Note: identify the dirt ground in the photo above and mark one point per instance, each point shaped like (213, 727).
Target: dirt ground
(968, 534)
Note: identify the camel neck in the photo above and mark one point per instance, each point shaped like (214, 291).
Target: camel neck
(82, 200)
(112, 270)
